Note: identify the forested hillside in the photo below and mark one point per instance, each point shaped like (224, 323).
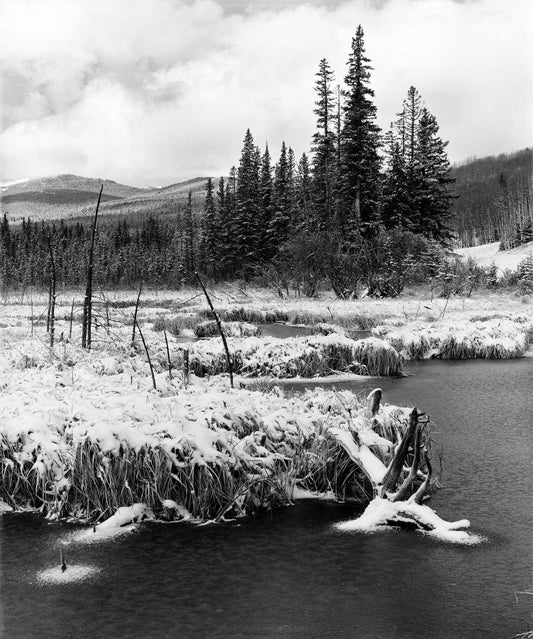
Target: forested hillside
(495, 200)
(72, 197)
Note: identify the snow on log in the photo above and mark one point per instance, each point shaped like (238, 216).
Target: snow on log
(382, 512)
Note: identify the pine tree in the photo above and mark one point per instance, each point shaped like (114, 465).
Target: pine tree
(247, 210)
(304, 196)
(433, 196)
(189, 261)
(265, 197)
(324, 147)
(397, 204)
(360, 141)
(227, 213)
(282, 200)
(416, 193)
(210, 239)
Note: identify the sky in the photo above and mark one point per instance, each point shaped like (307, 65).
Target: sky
(152, 92)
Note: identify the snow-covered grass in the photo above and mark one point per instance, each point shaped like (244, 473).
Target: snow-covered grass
(231, 329)
(309, 356)
(501, 338)
(84, 434)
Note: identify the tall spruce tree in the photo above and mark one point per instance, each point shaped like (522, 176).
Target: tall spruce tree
(397, 203)
(304, 217)
(324, 147)
(360, 142)
(416, 192)
(265, 196)
(282, 201)
(210, 237)
(247, 206)
(433, 196)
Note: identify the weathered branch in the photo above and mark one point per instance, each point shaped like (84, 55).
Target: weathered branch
(424, 486)
(396, 466)
(373, 401)
(405, 488)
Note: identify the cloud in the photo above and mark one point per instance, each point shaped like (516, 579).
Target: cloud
(153, 91)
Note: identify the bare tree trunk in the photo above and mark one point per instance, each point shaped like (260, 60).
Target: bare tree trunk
(52, 298)
(87, 302)
(220, 330)
(147, 356)
(168, 355)
(71, 320)
(135, 312)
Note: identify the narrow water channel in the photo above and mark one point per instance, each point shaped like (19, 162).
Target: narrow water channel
(290, 574)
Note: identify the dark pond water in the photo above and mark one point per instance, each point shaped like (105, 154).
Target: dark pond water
(291, 574)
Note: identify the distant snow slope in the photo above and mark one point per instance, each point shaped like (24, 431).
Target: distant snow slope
(487, 254)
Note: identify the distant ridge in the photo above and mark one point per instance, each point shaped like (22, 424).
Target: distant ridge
(68, 196)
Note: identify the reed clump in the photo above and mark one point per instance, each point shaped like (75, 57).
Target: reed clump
(489, 338)
(231, 329)
(221, 454)
(308, 356)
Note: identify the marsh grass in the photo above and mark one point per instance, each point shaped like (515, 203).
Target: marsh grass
(175, 325)
(309, 356)
(232, 329)
(257, 464)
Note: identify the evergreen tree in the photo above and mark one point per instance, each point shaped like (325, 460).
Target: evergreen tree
(416, 185)
(210, 239)
(189, 262)
(247, 209)
(431, 171)
(278, 229)
(397, 204)
(360, 141)
(324, 146)
(304, 196)
(265, 197)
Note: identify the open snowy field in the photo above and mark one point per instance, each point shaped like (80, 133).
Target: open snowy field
(488, 254)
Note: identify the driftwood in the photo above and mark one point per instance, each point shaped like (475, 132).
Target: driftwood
(401, 480)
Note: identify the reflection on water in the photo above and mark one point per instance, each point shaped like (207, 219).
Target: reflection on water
(291, 574)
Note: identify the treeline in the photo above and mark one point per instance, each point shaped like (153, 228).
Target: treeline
(495, 200)
(339, 215)
(357, 212)
(158, 251)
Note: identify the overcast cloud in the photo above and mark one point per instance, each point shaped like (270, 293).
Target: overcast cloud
(149, 92)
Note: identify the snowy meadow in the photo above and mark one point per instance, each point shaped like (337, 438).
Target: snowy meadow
(132, 430)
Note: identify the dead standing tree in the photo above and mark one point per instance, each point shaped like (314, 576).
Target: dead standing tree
(50, 325)
(220, 330)
(87, 302)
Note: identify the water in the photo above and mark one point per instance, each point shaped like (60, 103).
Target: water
(291, 574)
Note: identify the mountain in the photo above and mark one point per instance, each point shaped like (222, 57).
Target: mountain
(495, 199)
(72, 196)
